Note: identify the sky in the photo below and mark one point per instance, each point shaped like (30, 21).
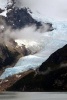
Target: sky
(3, 3)
(56, 9)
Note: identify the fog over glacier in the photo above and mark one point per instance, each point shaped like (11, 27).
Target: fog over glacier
(53, 11)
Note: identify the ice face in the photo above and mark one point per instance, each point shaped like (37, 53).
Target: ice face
(51, 41)
(24, 64)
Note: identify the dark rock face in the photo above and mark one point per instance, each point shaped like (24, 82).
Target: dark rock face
(51, 75)
(6, 57)
(54, 79)
(54, 61)
(1, 10)
(19, 18)
(10, 54)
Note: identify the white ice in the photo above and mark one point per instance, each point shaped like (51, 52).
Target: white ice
(4, 13)
(51, 42)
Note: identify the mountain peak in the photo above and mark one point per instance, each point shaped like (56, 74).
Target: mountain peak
(5, 6)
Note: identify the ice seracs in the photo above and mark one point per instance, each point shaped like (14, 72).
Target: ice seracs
(27, 43)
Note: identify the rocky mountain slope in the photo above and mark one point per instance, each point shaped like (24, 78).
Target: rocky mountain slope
(16, 19)
(10, 55)
(50, 76)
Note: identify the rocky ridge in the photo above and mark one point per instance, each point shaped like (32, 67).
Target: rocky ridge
(50, 76)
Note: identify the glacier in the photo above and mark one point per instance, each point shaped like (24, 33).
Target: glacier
(51, 42)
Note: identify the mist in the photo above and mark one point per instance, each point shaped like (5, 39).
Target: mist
(27, 33)
(55, 9)
(28, 36)
(41, 43)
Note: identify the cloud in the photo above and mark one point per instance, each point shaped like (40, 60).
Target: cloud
(56, 9)
(27, 36)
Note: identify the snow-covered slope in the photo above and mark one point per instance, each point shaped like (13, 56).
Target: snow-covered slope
(3, 4)
(50, 42)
